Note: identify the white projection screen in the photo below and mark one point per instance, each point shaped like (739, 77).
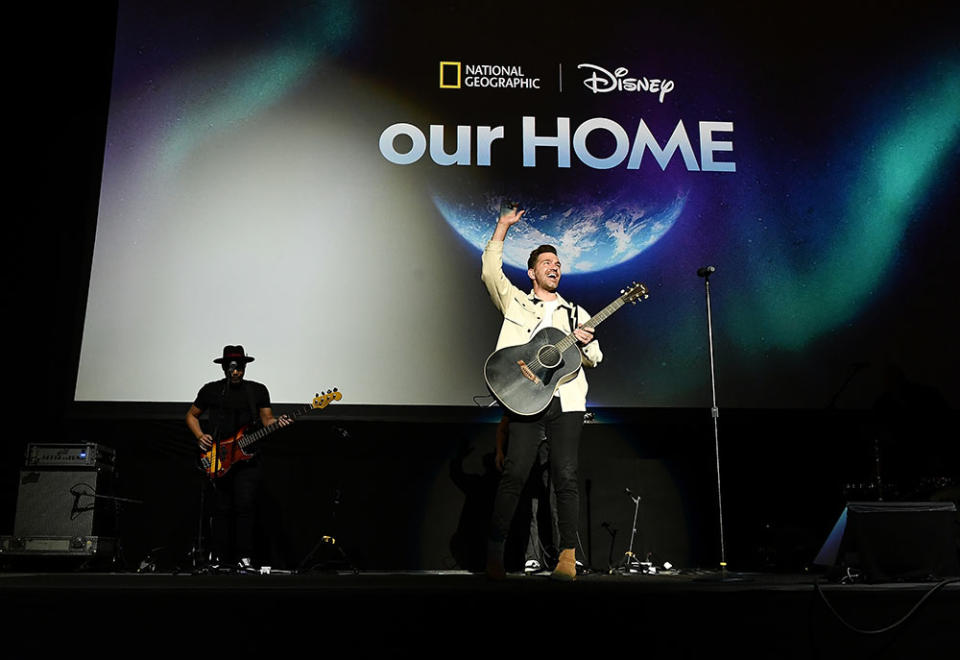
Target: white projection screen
(316, 181)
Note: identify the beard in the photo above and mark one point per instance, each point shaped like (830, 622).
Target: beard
(548, 284)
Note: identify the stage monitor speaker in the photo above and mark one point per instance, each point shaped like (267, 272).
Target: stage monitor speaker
(889, 541)
(64, 503)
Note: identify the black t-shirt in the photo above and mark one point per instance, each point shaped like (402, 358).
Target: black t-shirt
(234, 412)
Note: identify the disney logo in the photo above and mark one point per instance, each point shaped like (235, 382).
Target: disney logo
(601, 80)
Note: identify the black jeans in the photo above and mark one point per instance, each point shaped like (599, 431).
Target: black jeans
(543, 509)
(562, 431)
(233, 507)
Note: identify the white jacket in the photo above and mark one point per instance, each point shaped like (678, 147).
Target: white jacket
(522, 314)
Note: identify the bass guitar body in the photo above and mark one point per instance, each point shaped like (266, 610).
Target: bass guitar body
(215, 464)
(524, 378)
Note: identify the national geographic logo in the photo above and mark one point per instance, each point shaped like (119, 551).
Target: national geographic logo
(450, 75)
(456, 75)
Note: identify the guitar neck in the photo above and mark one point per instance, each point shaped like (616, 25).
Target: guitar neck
(594, 321)
(247, 440)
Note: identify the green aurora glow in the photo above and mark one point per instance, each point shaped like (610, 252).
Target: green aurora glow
(789, 308)
(259, 82)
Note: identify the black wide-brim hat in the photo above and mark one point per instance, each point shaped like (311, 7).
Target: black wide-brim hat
(231, 353)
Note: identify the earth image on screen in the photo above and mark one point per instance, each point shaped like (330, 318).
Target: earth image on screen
(590, 235)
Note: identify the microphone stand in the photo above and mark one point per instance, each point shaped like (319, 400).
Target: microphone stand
(208, 564)
(630, 563)
(77, 494)
(85, 490)
(705, 273)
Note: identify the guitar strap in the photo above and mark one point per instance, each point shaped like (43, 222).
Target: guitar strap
(572, 316)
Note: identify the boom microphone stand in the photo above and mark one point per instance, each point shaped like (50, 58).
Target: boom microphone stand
(705, 273)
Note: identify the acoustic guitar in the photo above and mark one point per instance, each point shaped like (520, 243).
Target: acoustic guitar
(524, 378)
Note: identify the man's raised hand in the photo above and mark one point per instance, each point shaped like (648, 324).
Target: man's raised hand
(510, 213)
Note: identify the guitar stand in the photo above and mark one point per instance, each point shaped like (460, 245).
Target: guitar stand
(327, 555)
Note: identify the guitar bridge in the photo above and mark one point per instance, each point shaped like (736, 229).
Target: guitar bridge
(527, 373)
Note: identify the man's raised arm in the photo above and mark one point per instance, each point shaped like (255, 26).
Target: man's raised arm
(491, 272)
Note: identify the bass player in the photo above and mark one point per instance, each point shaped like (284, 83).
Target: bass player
(233, 403)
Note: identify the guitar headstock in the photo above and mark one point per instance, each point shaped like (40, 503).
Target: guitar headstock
(634, 292)
(324, 399)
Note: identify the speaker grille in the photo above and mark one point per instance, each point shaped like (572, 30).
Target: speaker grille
(63, 503)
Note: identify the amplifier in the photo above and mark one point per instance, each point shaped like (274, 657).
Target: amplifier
(89, 454)
(65, 503)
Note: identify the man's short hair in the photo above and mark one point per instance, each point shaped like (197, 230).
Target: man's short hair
(532, 261)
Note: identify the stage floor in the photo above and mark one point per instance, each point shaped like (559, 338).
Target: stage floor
(683, 614)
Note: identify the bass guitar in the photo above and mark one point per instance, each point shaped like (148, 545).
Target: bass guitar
(524, 378)
(216, 463)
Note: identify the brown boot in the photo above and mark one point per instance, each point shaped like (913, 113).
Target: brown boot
(566, 566)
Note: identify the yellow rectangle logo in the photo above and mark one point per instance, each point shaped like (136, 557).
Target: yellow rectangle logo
(449, 75)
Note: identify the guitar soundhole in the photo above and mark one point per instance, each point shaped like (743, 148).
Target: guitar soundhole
(549, 356)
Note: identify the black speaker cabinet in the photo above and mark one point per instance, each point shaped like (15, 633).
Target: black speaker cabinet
(887, 541)
(63, 511)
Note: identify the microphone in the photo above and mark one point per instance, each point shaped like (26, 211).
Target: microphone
(706, 271)
(233, 366)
